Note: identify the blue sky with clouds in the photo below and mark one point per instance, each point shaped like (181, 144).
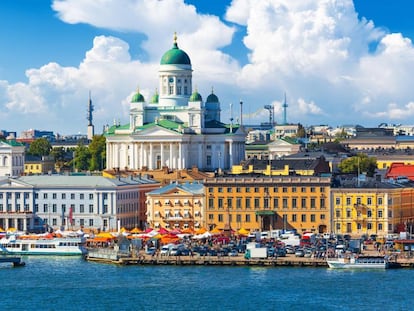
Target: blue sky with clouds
(338, 61)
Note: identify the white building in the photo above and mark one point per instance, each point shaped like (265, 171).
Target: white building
(11, 158)
(176, 129)
(34, 203)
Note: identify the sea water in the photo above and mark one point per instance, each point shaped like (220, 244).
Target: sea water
(70, 283)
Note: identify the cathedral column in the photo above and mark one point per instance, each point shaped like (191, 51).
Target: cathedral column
(231, 154)
(180, 155)
(171, 162)
(162, 155)
(141, 156)
(151, 160)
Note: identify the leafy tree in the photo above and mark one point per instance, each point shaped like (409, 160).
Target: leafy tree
(359, 163)
(81, 157)
(97, 150)
(58, 154)
(40, 147)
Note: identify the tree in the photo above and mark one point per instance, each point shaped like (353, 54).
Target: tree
(40, 147)
(97, 150)
(360, 163)
(81, 157)
(301, 133)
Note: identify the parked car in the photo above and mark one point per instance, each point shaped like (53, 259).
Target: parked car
(150, 251)
(299, 252)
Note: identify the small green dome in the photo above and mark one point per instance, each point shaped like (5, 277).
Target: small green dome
(196, 97)
(138, 98)
(175, 56)
(154, 99)
(212, 98)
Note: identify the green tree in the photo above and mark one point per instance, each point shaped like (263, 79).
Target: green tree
(301, 133)
(81, 159)
(360, 163)
(40, 147)
(97, 150)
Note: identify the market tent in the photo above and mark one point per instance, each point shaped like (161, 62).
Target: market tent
(107, 235)
(188, 231)
(163, 231)
(216, 231)
(243, 231)
(201, 231)
(135, 230)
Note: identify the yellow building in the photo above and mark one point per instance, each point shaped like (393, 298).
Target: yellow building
(380, 211)
(39, 165)
(176, 206)
(264, 203)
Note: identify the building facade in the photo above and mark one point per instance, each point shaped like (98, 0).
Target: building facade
(39, 203)
(268, 203)
(176, 206)
(176, 128)
(11, 158)
(379, 211)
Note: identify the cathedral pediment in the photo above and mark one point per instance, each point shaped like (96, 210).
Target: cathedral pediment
(157, 130)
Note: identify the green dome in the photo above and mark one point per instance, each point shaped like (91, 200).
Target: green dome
(196, 97)
(137, 98)
(175, 56)
(154, 99)
(212, 98)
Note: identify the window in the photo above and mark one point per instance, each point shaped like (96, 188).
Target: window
(358, 200)
(303, 189)
(276, 202)
(303, 217)
(322, 217)
(369, 201)
(313, 217)
(210, 190)
(369, 213)
(312, 189)
(63, 196)
(256, 202)
(220, 217)
(275, 189)
(54, 208)
(230, 202)
(266, 203)
(210, 203)
(247, 189)
(348, 213)
(338, 213)
(238, 189)
(293, 189)
(380, 213)
(379, 227)
(284, 189)
(313, 203)
(81, 196)
(348, 201)
(220, 202)
(369, 226)
(285, 203)
(303, 203)
(379, 201)
(294, 217)
(248, 203)
(45, 208)
(337, 201)
(44, 195)
(90, 196)
(294, 203)
(91, 222)
(54, 196)
(247, 217)
(208, 160)
(220, 189)
(256, 189)
(81, 208)
(238, 202)
(229, 189)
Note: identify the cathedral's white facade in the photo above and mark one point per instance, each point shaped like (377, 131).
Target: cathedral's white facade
(176, 128)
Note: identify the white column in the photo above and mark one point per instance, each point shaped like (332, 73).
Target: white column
(141, 156)
(171, 162)
(151, 160)
(162, 155)
(231, 154)
(180, 155)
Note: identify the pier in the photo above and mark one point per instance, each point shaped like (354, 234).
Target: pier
(16, 261)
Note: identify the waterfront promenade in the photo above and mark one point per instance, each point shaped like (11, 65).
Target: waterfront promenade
(290, 260)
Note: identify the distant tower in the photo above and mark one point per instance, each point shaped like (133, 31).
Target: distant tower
(285, 105)
(89, 118)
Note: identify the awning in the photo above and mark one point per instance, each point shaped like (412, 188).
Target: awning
(264, 213)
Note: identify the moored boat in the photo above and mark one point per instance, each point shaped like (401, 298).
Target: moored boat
(358, 262)
(43, 246)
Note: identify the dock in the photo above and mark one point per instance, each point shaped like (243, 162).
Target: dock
(16, 261)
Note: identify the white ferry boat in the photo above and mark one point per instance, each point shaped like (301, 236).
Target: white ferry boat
(358, 262)
(42, 246)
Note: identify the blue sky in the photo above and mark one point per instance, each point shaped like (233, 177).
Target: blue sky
(339, 62)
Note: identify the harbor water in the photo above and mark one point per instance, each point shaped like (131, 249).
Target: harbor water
(70, 283)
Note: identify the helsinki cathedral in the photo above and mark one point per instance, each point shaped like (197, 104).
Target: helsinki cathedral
(176, 128)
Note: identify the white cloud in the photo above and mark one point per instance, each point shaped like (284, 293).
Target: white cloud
(334, 67)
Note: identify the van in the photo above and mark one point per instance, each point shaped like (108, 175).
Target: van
(165, 250)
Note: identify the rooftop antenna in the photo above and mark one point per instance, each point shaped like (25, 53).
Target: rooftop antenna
(89, 117)
(241, 113)
(285, 105)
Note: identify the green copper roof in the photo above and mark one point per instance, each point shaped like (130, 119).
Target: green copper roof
(137, 98)
(175, 56)
(12, 143)
(196, 97)
(212, 98)
(154, 99)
